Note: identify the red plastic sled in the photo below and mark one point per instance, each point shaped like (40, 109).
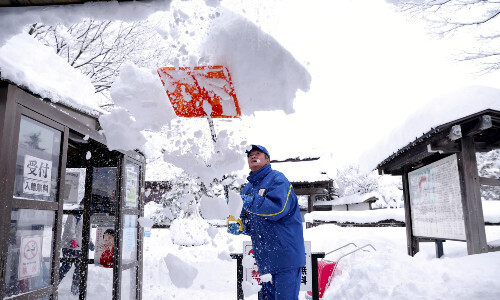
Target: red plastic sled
(325, 274)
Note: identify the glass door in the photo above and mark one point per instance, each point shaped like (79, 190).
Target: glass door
(32, 210)
(131, 232)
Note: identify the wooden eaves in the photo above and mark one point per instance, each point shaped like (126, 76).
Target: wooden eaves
(443, 140)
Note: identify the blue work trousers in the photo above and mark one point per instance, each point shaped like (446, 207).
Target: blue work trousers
(285, 286)
(66, 266)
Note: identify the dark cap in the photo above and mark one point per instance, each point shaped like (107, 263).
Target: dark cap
(258, 147)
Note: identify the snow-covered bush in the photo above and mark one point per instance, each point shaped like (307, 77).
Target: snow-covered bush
(350, 180)
(488, 165)
(190, 231)
(189, 196)
(390, 189)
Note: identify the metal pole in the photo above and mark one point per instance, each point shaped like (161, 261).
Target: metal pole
(314, 267)
(239, 273)
(212, 129)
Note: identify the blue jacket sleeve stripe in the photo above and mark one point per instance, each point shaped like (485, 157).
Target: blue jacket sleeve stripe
(269, 215)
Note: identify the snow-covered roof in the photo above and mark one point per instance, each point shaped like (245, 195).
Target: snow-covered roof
(27, 63)
(304, 170)
(352, 199)
(369, 216)
(443, 110)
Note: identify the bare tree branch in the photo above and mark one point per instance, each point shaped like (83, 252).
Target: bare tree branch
(481, 18)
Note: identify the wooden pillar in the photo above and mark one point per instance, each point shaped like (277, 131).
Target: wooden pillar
(310, 199)
(471, 197)
(411, 241)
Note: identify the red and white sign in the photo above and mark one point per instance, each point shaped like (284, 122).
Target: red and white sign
(30, 256)
(252, 273)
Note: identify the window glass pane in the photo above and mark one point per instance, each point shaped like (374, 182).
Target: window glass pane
(74, 188)
(128, 284)
(70, 256)
(100, 277)
(99, 283)
(37, 162)
(29, 256)
(129, 242)
(131, 185)
(103, 235)
(104, 186)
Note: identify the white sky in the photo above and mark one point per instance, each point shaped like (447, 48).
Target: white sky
(370, 69)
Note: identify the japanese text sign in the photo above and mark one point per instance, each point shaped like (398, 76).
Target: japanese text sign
(252, 273)
(37, 175)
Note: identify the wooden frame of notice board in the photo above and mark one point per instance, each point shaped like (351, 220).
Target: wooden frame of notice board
(441, 182)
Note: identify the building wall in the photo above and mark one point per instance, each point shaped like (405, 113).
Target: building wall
(359, 206)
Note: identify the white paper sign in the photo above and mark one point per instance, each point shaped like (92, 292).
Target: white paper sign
(37, 174)
(29, 257)
(436, 200)
(71, 187)
(131, 187)
(252, 273)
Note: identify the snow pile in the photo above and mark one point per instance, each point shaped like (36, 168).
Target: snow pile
(140, 104)
(429, 278)
(250, 288)
(139, 91)
(368, 216)
(43, 72)
(213, 208)
(265, 75)
(491, 211)
(189, 232)
(447, 108)
(146, 222)
(387, 273)
(354, 198)
(234, 204)
(181, 273)
(119, 135)
(321, 169)
(226, 158)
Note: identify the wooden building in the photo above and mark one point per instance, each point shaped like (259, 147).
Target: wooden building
(441, 184)
(309, 177)
(59, 179)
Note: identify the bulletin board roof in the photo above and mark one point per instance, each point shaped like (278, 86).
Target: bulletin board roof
(438, 142)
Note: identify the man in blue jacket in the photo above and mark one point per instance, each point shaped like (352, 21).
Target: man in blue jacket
(271, 216)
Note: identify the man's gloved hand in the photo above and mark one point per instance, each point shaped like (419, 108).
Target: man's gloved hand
(247, 201)
(74, 244)
(235, 227)
(91, 246)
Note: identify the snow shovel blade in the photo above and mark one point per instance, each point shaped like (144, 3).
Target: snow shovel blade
(203, 91)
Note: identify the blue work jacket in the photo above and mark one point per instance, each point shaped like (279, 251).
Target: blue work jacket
(274, 222)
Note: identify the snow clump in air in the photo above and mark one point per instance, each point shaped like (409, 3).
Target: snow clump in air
(181, 273)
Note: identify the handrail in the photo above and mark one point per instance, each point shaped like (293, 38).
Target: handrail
(341, 248)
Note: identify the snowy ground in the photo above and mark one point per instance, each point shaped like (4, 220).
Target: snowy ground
(388, 273)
